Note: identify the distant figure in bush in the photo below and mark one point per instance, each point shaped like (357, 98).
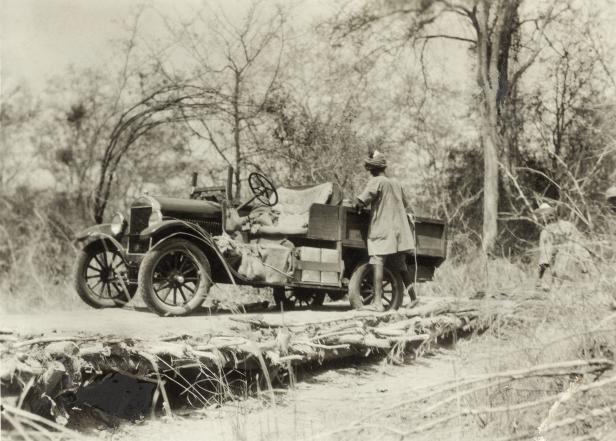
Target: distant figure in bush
(561, 249)
(610, 196)
(389, 235)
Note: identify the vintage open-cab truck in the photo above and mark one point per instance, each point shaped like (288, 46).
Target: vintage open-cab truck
(167, 249)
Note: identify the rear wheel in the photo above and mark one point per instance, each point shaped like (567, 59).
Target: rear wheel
(175, 277)
(100, 276)
(361, 287)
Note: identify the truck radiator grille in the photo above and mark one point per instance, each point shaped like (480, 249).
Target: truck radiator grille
(139, 219)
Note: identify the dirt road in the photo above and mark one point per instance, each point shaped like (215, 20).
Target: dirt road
(140, 323)
(320, 407)
(330, 402)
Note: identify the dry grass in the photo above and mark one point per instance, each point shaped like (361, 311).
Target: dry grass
(574, 320)
(36, 258)
(479, 275)
(573, 323)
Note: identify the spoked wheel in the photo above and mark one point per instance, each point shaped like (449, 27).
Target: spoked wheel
(361, 287)
(101, 276)
(297, 298)
(175, 277)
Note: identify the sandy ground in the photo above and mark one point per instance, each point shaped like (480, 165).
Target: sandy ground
(321, 403)
(320, 407)
(138, 322)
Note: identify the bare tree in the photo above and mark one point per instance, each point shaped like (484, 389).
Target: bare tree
(318, 144)
(241, 60)
(17, 111)
(70, 132)
(165, 105)
(572, 118)
(492, 29)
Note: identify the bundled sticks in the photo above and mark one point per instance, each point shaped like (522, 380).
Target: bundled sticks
(42, 365)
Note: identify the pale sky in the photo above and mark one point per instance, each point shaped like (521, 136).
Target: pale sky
(41, 38)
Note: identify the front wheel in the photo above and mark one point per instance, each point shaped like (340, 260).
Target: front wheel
(100, 276)
(175, 277)
(361, 287)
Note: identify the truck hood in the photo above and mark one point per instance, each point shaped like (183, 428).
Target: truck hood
(178, 207)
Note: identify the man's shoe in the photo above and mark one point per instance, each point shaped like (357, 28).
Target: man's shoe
(372, 307)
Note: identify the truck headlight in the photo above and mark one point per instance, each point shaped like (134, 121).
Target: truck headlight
(155, 218)
(118, 224)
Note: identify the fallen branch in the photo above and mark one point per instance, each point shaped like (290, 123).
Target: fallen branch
(550, 370)
(39, 340)
(410, 339)
(594, 413)
(7, 409)
(509, 408)
(160, 382)
(553, 369)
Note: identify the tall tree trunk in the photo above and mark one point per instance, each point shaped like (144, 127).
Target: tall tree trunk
(509, 118)
(490, 179)
(236, 134)
(489, 118)
(493, 45)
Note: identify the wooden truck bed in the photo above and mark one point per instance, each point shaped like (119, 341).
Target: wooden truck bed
(338, 223)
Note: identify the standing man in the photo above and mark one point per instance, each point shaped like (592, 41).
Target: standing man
(390, 237)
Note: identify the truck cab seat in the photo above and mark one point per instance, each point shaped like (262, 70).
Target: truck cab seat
(291, 212)
(294, 207)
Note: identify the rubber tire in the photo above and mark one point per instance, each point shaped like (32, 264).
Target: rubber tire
(146, 271)
(84, 256)
(360, 273)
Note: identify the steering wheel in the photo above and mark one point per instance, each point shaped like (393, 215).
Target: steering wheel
(263, 189)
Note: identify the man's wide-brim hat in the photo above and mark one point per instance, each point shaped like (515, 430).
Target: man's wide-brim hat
(376, 161)
(611, 192)
(545, 209)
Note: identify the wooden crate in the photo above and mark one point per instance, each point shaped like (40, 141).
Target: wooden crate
(319, 265)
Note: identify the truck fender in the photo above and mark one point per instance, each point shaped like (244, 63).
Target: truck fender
(93, 231)
(173, 224)
(205, 241)
(99, 232)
